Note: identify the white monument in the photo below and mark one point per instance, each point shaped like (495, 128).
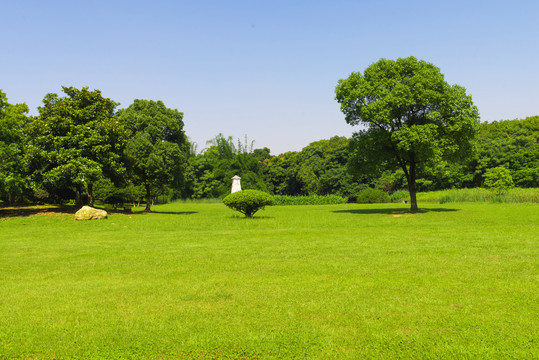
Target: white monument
(236, 186)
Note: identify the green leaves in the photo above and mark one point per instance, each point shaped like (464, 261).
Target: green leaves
(13, 119)
(419, 139)
(76, 137)
(413, 117)
(158, 147)
(248, 202)
(499, 178)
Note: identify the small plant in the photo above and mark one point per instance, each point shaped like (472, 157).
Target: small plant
(248, 202)
(372, 196)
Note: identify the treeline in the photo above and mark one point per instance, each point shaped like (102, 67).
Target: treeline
(324, 167)
(319, 169)
(80, 147)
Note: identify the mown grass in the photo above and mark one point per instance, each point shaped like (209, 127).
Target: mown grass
(334, 281)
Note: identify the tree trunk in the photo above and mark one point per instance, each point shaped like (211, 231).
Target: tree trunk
(411, 187)
(78, 200)
(148, 198)
(90, 194)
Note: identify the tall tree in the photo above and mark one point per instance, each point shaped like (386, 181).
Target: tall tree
(413, 117)
(13, 118)
(158, 147)
(75, 141)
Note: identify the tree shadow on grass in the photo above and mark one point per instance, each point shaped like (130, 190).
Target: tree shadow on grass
(255, 217)
(393, 211)
(144, 212)
(44, 210)
(171, 212)
(40, 210)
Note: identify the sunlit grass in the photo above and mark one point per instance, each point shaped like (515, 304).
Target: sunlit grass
(335, 281)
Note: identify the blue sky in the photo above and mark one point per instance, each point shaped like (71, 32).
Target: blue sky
(265, 69)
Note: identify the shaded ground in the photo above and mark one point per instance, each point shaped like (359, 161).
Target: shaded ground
(37, 210)
(393, 211)
(44, 210)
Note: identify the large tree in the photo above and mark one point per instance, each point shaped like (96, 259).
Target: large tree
(13, 119)
(75, 141)
(158, 147)
(412, 117)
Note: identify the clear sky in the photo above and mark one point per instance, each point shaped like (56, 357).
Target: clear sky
(265, 69)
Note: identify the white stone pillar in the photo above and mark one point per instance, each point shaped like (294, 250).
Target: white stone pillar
(236, 186)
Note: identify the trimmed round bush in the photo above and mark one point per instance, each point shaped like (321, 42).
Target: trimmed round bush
(372, 196)
(248, 202)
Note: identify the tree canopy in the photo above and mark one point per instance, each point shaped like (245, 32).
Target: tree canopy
(158, 147)
(413, 117)
(79, 144)
(75, 141)
(13, 119)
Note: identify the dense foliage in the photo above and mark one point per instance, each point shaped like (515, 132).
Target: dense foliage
(74, 142)
(413, 118)
(157, 147)
(78, 137)
(373, 196)
(513, 145)
(248, 202)
(13, 180)
(319, 169)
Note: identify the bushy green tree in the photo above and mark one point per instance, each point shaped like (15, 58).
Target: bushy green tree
(322, 168)
(513, 144)
(158, 148)
(413, 118)
(372, 196)
(318, 169)
(499, 179)
(13, 180)
(74, 142)
(280, 174)
(248, 202)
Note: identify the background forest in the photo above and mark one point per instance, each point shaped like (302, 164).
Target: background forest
(81, 148)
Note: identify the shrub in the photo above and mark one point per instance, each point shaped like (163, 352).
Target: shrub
(499, 179)
(400, 195)
(248, 202)
(372, 196)
(308, 200)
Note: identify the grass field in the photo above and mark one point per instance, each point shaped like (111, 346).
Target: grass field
(349, 281)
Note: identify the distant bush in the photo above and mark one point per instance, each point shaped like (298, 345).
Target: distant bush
(399, 195)
(373, 196)
(499, 179)
(308, 200)
(248, 202)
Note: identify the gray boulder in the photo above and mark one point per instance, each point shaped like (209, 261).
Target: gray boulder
(89, 213)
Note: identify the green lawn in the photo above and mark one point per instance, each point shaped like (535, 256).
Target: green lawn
(454, 281)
